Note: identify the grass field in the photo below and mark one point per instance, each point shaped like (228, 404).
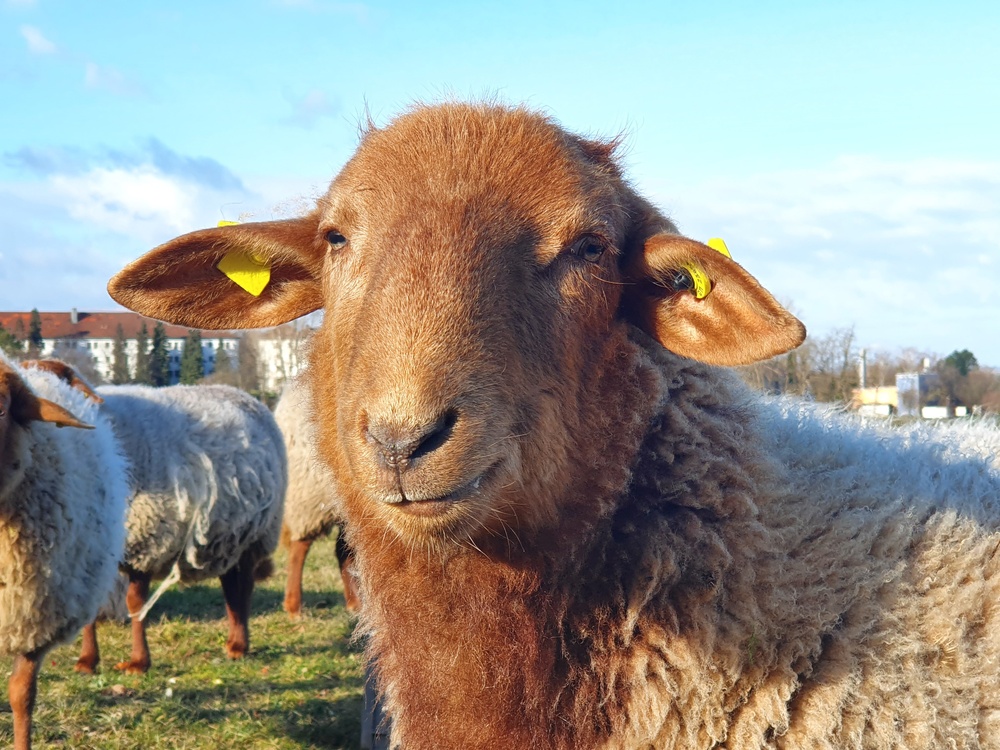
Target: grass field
(301, 686)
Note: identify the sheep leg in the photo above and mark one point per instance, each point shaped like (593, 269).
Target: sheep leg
(90, 655)
(237, 588)
(21, 690)
(138, 592)
(293, 587)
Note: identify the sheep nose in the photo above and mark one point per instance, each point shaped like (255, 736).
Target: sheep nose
(397, 445)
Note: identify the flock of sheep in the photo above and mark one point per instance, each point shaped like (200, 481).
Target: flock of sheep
(183, 483)
(569, 526)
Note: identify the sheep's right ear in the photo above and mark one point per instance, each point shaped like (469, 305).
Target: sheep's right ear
(27, 407)
(700, 304)
(181, 281)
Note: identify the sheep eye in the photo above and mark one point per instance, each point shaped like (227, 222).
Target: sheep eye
(589, 248)
(336, 239)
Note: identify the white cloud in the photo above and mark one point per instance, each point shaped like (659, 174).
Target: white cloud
(902, 250)
(71, 231)
(100, 77)
(37, 43)
(309, 109)
(127, 201)
(95, 77)
(358, 11)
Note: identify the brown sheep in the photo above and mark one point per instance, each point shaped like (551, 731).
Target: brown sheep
(584, 534)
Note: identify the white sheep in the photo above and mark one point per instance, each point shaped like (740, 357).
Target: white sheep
(312, 507)
(208, 477)
(62, 510)
(586, 533)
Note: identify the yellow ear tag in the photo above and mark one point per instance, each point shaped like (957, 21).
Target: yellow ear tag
(249, 270)
(717, 243)
(702, 284)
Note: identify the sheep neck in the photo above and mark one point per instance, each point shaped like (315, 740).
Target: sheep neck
(506, 639)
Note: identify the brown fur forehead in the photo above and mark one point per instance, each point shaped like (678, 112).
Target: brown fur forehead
(10, 381)
(512, 162)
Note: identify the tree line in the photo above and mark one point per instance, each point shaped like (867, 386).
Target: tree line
(826, 368)
(151, 362)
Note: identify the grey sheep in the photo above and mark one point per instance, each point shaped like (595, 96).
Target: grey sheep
(208, 482)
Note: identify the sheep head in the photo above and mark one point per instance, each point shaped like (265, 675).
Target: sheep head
(473, 262)
(18, 405)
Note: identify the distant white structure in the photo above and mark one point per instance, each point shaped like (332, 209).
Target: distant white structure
(280, 350)
(936, 412)
(282, 353)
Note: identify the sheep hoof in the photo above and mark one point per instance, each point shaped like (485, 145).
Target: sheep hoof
(85, 667)
(132, 667)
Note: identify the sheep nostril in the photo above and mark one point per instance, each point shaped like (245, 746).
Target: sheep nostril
(437, 436)
(399, 445)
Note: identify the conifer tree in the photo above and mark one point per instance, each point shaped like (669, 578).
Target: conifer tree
(159, 359)
(193, 359)
(35, 339)
(10, 343)
(119, 370)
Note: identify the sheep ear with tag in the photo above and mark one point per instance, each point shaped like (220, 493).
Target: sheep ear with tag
(701, 304)
(250, 275)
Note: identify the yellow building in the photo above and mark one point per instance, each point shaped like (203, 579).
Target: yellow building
(882, 400)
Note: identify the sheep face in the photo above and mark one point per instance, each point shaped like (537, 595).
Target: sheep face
(478, 267)
(455, 339)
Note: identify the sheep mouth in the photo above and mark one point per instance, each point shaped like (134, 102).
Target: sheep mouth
(439, 505)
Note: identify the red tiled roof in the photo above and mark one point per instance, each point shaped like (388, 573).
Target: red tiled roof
(95, 325)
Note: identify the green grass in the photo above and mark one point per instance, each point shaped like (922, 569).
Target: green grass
(300, 687)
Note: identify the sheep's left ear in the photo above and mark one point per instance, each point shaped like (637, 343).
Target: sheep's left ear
(700, 304)
(27, 407)
(253, 275)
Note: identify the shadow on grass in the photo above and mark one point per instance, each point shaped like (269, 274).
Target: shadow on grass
(205, 603)
(316, 721)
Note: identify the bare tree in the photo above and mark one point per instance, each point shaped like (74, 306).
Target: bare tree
(245, 371)
(248, 375)
(79, 359)
(283, 352)
(824, 367)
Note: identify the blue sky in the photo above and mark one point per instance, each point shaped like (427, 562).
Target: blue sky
(849, 152)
